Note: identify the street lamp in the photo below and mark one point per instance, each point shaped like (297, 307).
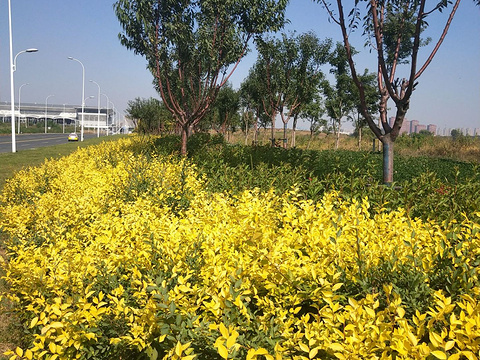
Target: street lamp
(46, 108)
(106, 118)
(98, 108)
(113, 117)
(12, 70)
(83, 93)
(19, 104)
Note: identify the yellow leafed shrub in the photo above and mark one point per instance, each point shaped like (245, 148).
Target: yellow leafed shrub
(114, 252)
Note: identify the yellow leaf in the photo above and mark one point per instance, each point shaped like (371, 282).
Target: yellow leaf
(370, 312)
(189, 357)
(435, 339)
(337, 286)
(34, 322)
(469, 355)
(454, 357)
(223, 331)
(56, 310)
(336, 347)
(29, 354)
(251, 354)
(412, 338)
(52, 347)
(56, 325)
(304, 347)
(19, 351)
(90, 336)
(261, 351)
(232, 339)
(450, 344)
(178, 349)
(313, 353)
(439, 354)
(222, 350)
(400, 312)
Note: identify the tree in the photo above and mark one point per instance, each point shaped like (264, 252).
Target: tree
(339, 96)
(313, 54)
(372, 98)
(193, 47)
(290, 67)
(227, 105)
(394, 28)
(149, 115)
(251, 98)
(313, 112)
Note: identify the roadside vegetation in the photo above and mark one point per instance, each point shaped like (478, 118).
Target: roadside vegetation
(240, 252)
(12, 163)
(39, 127)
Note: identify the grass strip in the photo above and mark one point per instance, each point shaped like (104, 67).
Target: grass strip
(13, 162)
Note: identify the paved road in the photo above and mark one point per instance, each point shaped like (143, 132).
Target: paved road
(33, 141)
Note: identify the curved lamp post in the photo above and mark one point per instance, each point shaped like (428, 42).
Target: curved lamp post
(46, 109)
(20, 104)
(13, 66)
(98, 108)
(83, 93)
(106, 118)
(113, 116)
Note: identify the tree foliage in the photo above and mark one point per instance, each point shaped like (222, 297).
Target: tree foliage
(289, 70)
(227, 106)
(394, 29)
(149, 115)
(192, 47)
(340, 93)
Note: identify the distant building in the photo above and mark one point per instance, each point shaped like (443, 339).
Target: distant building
(432, 128)
(32, 113)
(391, 121)
(405, 129)
(413, 126)
(419, 128)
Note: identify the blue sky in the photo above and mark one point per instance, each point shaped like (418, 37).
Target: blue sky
(448, 93)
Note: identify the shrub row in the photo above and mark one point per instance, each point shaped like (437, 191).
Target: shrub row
(439, 189)
(119, 252)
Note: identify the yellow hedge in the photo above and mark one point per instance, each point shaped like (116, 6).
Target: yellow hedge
(115, 253)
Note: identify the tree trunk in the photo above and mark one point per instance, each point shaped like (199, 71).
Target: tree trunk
(337, 135)
(359, 138)
(273, 130)
(294, 128)
(284, 140)
(184, 130)
(387, 159)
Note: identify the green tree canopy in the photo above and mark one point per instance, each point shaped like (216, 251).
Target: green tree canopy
(193, 46)
(150, 116)
(394, 30)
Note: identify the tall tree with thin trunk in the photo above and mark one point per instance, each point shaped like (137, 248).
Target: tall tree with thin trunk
(227, 105)
(193, 46)
(291, 69)
(393, 28)
(251, 98)
(339, 95)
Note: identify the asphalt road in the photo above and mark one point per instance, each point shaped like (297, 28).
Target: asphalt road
(33, 141)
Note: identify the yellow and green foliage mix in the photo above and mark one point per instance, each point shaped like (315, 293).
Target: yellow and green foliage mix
(118, 253)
